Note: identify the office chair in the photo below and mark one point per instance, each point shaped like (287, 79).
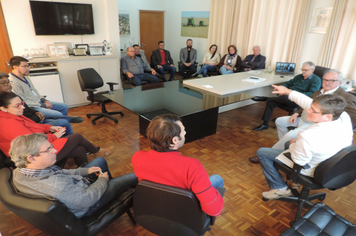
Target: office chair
(54, 218)
(6, 161)
(167, 210)
(320, 71)
(187, 70)
(90, 80)
(336, 172)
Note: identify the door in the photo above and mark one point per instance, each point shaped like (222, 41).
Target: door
(151, 31)
(5, 47)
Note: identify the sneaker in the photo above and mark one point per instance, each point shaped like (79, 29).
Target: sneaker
(276, 193)
(76, 119)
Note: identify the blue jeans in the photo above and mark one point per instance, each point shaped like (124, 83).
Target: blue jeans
(138, 78)
(216, 181)
(58, 110)
(63, 122)
(267, 156)
(182, 69)
(225, 71)
(171, 69)
(115, 186)
(205, 70)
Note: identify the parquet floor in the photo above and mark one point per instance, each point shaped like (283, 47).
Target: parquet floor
(225, 153)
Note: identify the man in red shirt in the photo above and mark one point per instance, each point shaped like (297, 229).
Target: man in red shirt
(161, 60)
(164, 165)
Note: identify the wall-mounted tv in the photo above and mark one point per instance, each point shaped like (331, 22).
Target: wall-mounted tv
(59, 18)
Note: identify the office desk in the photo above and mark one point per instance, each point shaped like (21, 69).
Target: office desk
(227, 89)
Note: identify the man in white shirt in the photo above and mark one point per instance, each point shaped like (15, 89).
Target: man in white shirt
(330, 132)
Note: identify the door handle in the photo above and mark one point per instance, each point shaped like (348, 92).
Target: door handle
(8, 64)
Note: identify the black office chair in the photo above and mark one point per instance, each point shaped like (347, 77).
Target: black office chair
(6, 161)
(54, 218)
(167, 210)
(336, 172)
(187, 70)
(320, 71)
(90, 80)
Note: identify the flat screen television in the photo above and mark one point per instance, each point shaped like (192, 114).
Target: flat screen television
(59, 18)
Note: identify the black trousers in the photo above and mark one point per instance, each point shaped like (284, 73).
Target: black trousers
(273, 102)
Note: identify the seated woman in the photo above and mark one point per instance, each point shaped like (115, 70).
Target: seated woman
(36, 175)
(210, 61)
(14, 124)
(231, 62)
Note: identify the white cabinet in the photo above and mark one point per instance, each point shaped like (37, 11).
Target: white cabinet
(44, 81)
(107, 66)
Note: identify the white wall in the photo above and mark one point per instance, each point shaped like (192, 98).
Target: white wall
(313, 42)
(22, 34)
(172, 23)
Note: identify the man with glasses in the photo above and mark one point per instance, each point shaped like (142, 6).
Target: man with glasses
(23, 87)
(331, 131)
(83, 190)
(162, 61)
(36, 116)
(306, 83)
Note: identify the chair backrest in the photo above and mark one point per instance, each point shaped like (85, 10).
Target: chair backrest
(320, 71)
(6, 161)
(167, 210)
(338, 171)
(89, 79)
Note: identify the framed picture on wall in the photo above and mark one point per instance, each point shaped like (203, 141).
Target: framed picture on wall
(124, 22)
(57, 50)
(320, 20)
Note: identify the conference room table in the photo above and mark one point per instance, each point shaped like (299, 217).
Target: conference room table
(187, 99)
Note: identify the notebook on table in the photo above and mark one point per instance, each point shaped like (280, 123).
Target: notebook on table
(285, 68)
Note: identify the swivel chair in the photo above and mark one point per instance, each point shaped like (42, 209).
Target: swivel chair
(336, 172)
(320, 71)
(187, 70)
(54, 218)
(90, 80)
(167, 210)
(5, 161)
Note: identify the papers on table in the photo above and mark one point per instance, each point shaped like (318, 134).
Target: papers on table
(254, 72)
(207, 86)
(253, 79)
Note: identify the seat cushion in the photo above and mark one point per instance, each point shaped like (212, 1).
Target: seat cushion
(321, 220)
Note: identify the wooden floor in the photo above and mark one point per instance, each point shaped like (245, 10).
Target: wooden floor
(226, 153)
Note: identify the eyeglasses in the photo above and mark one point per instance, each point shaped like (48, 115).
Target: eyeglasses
(314, 111)
(25, 66)
(6, 82)
(329, 80)
(20, 104)
(305, 69)
(48, 149)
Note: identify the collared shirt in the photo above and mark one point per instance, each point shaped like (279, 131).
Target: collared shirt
(36, 172)
(135, 66)
(306, 86)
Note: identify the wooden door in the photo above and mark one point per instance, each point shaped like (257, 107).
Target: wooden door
(151, 31)
(5, 47)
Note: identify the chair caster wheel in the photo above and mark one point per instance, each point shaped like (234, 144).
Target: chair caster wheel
(122, 114)
(265, 199)
(321, 198)
(94, 123)
(116, 121)
(88, 116)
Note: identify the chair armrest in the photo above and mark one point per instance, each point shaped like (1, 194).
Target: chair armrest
(296, 172)
(111, 85)
(89, 90)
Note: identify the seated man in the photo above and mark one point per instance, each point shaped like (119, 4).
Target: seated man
(331, 85)
(331, 131)
(134, 68)
(36, 116)
(143, 58)
(254, 61)
(163, 61)
(188, 56)
(164, 165)
(36, 175)
(306, 83)
(23, 87)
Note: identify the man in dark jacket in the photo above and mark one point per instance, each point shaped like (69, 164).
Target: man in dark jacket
(254, 61)
(162, 61)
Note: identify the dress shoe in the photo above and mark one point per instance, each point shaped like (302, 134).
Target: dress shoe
(195, 75)
(261, 127)
(76, 119)
(254, 160)
(259, 98)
